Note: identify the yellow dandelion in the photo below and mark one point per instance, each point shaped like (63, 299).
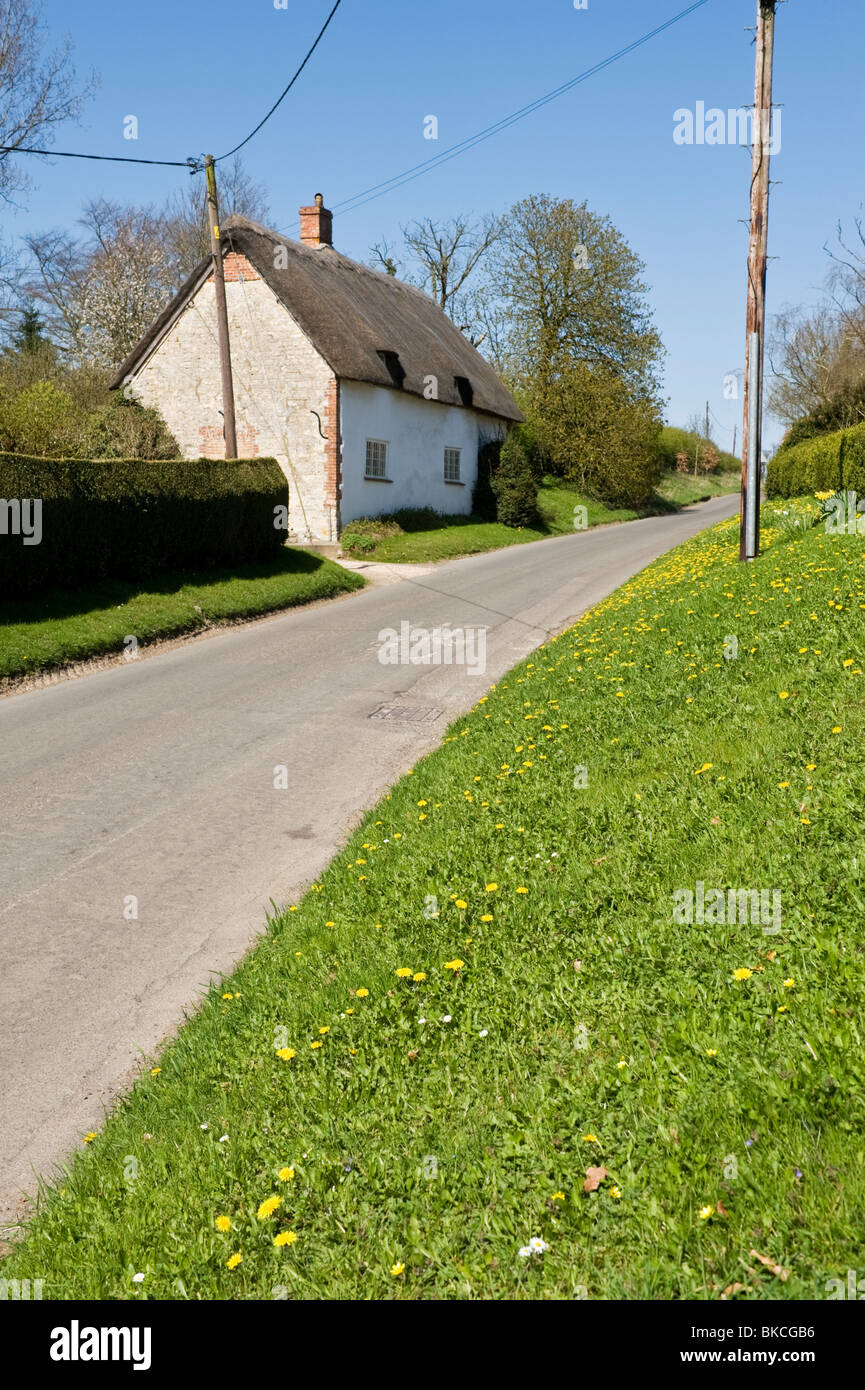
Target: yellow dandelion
(615, 1192)
(418, 976)
(711, 1051)
(233, 1261)
(788, 984)
(487, 917)
(154, 1071)
(397, 1269)
(314, 1045)
(88, 1138)
(743, 973)
(461, 903)
(522, 890)
(404, 972)
(268, 1207)
(455, 964)
(285, 1238)
(223, 1223)
(361, 993)
(590, 1139)
(492, 887)
(706, 1212)
(837, 729)
(559, 1197)
(285, 1174)
(286, 1053)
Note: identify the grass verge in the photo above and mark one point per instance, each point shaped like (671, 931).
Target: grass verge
(56, 630)
(487, 994)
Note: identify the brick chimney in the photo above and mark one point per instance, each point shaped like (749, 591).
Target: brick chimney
(316, 224)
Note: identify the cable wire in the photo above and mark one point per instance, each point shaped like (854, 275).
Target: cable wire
(281, 98)
(389, 185)
(112, 158)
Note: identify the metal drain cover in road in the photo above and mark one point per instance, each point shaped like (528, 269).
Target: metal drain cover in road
(407, 714)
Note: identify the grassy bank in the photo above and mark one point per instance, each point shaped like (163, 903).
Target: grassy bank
(424, 538)
(59, 629)
(486, 996)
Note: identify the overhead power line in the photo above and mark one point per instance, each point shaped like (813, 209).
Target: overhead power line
(192, 164)
(434, 162)
(113, 158)
(285, 93)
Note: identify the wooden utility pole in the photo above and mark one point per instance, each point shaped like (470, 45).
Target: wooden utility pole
(749, 530)
(229, 426)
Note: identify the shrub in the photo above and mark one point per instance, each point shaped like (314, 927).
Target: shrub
(131, 519)
(853, 460)
(514, 484)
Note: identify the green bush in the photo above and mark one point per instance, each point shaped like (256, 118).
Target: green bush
(131, 519)
(514, 484)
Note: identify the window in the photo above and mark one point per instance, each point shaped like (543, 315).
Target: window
(376, 458)
(452, 465)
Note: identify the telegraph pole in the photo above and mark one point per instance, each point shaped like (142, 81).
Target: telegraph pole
(229, 427)
(752, 427)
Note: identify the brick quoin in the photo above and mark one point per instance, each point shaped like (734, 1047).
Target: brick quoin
(333, 455)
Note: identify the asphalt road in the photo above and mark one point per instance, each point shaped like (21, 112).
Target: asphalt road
(155, 781)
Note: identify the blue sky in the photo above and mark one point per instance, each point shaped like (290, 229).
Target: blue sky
(199, 77)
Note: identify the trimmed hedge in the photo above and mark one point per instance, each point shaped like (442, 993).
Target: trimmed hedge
(132, 519)
(825, 463)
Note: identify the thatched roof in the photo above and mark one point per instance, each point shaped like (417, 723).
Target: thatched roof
(367, 326)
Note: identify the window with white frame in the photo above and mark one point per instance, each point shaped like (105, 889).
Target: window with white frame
(376, 458)
(452, 465)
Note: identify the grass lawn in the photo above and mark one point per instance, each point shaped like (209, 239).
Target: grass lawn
(421, 538)
(58, 629)
(486, 994)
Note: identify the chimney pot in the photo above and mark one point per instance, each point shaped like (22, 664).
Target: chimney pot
(316, 224)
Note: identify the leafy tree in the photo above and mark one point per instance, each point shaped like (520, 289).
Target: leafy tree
(571, 291)
(29, 336)
(600, 434)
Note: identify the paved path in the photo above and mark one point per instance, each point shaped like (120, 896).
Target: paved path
(155, 780)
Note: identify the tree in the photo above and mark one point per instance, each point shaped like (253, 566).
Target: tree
(571, 291)
(29, 336)
(442, 258)
(599, 433)
(38, 90)
(102, 292)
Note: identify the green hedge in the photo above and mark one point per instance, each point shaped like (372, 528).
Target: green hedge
(132, 519)
(822, 464)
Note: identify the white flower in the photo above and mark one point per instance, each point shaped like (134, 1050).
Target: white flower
(421, 1020)
(524, 1252)
(138, 1278)
(483, 1033)
(446, 1018)
(204, 1126)
(224, 1139)
(538, 1245)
